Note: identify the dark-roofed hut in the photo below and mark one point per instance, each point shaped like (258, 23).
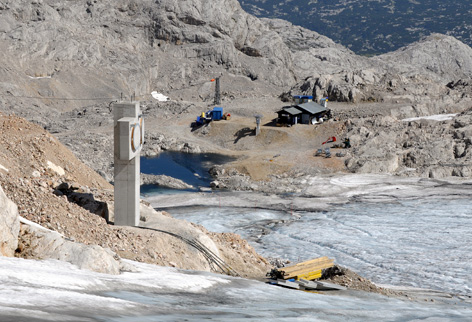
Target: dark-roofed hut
(289, 115)
(311, 111)
(305, 113)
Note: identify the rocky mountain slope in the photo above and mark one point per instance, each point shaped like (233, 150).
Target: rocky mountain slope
(424, 72)
(416, 147)
(63, 65)
(95, 51)
(89, 52)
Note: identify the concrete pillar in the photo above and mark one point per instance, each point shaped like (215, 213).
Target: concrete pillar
(128, 140)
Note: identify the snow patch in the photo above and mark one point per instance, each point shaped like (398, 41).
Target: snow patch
(38, 77)
(37, 226)
(390, 240)
(57, 291)
(437, 117)
(356, 180)
(160, 97)
(3, 168)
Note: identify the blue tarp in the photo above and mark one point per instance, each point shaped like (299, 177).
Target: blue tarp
(303, 97)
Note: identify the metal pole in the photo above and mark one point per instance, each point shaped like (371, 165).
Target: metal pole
(258, 123)
(217, 91)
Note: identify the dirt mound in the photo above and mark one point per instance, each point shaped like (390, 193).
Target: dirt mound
(345, 277)
(29, 151)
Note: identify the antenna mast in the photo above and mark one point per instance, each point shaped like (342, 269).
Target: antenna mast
(217, 91)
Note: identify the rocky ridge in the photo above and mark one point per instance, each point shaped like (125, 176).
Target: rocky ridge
(419, 73)
(164, 181)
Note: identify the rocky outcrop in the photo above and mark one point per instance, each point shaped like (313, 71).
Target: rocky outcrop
(420, 147)
(164, 181)
(442, 57)
(314, 53)
(423, 72)
(157, 142)
(39, 243)
(83, 197)
(9, 225)
(34, 241)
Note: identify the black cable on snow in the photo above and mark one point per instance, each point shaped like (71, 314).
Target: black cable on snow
(211, 257)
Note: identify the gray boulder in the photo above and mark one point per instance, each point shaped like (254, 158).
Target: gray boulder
(45, 244)
(9, 225)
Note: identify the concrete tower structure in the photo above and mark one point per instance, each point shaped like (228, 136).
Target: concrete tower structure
(128, 141)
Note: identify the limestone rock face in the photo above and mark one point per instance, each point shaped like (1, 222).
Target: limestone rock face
(9, 225)
(420, 147)
(111, 48)
(221, 32)
(314, 53)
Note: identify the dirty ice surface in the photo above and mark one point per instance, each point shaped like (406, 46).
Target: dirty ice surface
(57, 291)
(415, 243)
(403, 232)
